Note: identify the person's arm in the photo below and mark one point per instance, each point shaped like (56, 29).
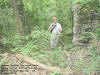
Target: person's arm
(50, 27)
(60, 28)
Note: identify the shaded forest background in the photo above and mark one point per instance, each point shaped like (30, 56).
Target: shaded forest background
(24, 24)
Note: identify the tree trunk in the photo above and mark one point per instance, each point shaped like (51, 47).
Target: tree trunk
(18, 15)
(99, 2)
(26, 26)
(77, 26)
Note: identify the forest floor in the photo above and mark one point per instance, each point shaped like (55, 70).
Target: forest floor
(12, 62)
(14, 66)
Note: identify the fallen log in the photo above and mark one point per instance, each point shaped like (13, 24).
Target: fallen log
(33, 62)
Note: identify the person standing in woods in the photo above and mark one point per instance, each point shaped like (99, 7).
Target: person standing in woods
(55, 29)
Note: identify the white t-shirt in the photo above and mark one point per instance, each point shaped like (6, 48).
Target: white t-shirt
(57, 28)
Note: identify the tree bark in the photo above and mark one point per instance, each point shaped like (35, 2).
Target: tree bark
(99, 2)
(77, 26)
(18, 16)
(40, 65)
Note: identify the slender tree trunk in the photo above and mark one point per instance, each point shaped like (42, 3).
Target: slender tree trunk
(15, 6)
(26, 26)
(99, 2)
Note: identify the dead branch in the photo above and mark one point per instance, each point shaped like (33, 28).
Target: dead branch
(40, 65)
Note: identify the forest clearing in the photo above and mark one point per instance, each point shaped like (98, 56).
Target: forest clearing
(49, 37)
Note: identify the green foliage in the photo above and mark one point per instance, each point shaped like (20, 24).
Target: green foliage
(93, 65)
(5, 46)
(36, 46)
(88, 65)
(36, 41)
(65, 17)
(2, 61)
(80, 64)
(55, 57)
(86, 2)
(7, 22)
(56, 73)
(82, 2)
